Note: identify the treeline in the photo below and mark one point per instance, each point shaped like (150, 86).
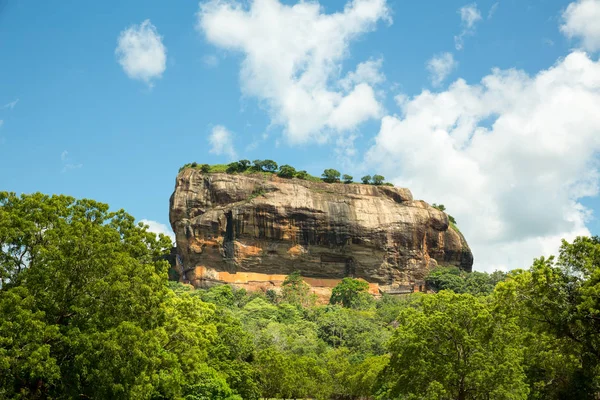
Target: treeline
(86, 311)
(284, 171)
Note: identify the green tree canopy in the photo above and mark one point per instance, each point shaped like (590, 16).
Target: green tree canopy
(378, 180)
(455, 347)
(85, 309)
(295, 291)
(366, 179)
(331, 175)
(286, 171)
(347, 178)
(350, 292)
(558, 301)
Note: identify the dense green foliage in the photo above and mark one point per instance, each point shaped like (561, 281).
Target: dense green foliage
(331, 175)
(284, 171)
(351, 293)
(86, 311)
(475, 283)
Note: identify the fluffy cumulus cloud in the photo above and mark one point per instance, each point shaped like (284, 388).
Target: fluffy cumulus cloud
(157, 227)
(292, 60)
(440, 66)
(469, 16)
(510, 157)
(581, 20)
(366, 72)
(221, 142)
(141, 52)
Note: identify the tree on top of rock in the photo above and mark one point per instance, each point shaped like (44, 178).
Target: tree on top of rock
(331, 175)
(286, 171)
(378, 179)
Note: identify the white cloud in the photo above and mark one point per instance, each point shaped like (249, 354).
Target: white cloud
(366, 72)
(510, 157)
(493, 10)
(64, 155)
(157, 227)
(292, 60)
(221, 142)
(440, 66)
(581, 20)
(1, 123)
(11, 105)
(141, 53)
(469, 16)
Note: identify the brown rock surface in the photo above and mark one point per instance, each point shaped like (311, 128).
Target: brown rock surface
(253, 230)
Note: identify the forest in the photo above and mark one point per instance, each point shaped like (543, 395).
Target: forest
(87, 311)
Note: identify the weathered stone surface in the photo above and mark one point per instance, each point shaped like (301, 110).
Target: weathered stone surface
(253, 230)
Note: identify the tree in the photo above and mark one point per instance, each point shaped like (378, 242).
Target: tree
(234, 167)
(264, 166)
(269, 166)
(331, 175)
(455, 347)
(440, 207)
(378, 179)
(245, 164)
(257, 165)
(286, 171)
(295, 291)
(452, 278)
(205, 168)
(446, 278)
(347, 178)
(301, 174)
(558, 301)
(351, 293)
(366, 179)
(85, 310)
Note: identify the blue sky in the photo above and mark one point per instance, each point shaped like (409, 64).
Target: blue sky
(88, 111)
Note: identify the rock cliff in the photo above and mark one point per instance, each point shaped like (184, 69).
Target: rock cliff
(253, 230)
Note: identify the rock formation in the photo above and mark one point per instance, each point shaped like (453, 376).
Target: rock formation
(253, 230)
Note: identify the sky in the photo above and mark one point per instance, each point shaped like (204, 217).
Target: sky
(491, 108)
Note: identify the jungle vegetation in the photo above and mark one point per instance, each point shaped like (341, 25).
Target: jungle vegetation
(87, 311)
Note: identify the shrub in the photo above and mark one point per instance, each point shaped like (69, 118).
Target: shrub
(301, 174)
(234, 167)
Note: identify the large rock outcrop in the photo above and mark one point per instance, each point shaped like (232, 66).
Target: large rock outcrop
(253, 230)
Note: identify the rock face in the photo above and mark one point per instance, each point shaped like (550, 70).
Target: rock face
(253, 230)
